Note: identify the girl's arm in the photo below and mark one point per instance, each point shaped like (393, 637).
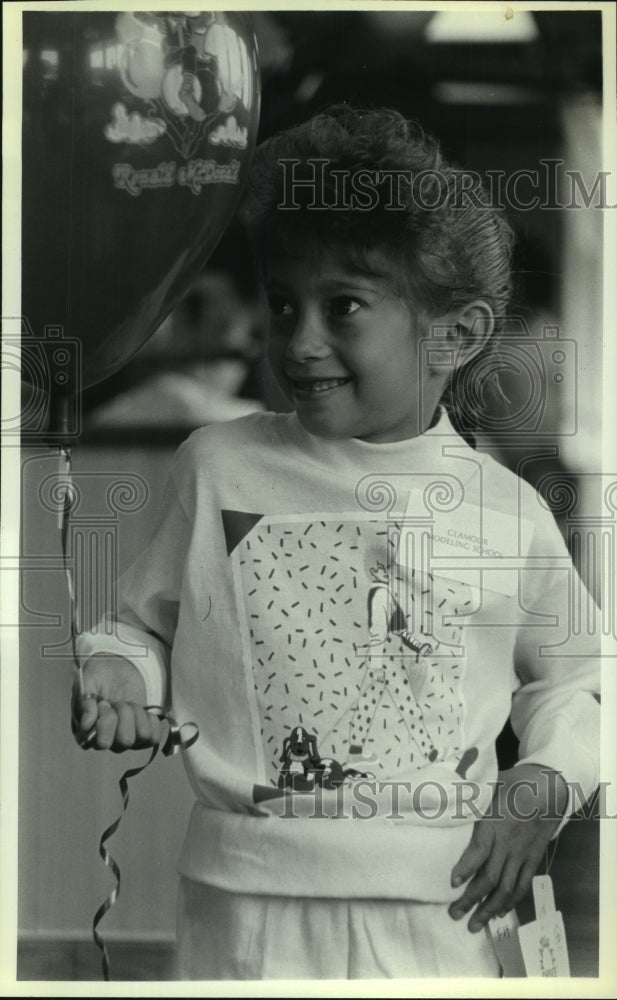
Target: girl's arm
(556, 717)
(125, 660)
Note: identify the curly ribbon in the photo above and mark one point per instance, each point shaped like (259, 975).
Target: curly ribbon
(169, 745)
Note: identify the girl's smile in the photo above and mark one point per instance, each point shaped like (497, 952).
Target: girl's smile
(345, 349)
(313, 386)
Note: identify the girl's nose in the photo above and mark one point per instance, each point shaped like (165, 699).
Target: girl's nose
(309, 340)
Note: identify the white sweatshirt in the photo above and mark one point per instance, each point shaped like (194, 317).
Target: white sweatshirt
(350, 625)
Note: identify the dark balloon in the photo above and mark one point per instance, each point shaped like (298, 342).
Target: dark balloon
(138, 129)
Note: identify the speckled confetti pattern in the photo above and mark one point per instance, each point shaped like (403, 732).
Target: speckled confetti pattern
(306, 588)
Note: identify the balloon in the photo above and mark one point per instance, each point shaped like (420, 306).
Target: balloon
(138, 130)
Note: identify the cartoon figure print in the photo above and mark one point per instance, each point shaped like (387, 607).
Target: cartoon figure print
(299, 759)
(304, 768)
(341, 644)
(409, 669)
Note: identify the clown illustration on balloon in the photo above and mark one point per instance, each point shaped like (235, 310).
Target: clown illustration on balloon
(186, 69)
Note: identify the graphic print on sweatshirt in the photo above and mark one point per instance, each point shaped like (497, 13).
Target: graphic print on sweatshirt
(351, 655)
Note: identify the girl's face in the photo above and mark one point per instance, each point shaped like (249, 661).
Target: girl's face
(345, 349)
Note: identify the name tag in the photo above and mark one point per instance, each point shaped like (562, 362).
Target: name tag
(543, 941)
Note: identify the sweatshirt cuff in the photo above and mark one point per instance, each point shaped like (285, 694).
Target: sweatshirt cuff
(580, 773)
(147, 653)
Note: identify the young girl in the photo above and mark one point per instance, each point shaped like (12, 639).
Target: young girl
(349, 601)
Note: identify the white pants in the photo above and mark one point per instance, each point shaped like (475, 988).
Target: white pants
(224, 935)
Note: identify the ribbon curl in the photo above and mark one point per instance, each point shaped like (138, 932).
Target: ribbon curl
(169, 744)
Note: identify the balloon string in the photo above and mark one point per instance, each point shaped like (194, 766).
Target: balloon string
(65, 471)
(169, 744)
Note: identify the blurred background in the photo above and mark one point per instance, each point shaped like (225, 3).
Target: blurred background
(501, 95)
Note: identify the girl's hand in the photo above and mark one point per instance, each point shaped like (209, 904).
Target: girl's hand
(508, 844)
(107, 709)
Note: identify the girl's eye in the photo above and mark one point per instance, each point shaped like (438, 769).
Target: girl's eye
(279, 306)
(344, 305)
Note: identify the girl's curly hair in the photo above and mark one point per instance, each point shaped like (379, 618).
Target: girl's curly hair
(444, 242)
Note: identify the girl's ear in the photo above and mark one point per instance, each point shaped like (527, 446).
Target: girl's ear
(463, 332)
(476, 321)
